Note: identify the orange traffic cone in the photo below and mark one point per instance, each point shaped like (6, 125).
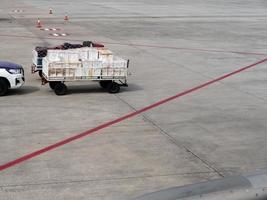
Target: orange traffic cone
(66, 18)
(50, 11)
(39, 24)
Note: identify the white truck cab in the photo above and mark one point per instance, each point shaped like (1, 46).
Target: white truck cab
(11, 76)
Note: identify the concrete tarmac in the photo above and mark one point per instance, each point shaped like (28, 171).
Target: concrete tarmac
(173, 45)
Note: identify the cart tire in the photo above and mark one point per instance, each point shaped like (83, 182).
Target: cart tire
(52, 85)
(3, 87)
(113, 87)
(40, 73)
(104, 84)
(60, 89)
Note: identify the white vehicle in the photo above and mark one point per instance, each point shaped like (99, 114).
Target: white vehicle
(11, 76)
(84, 64)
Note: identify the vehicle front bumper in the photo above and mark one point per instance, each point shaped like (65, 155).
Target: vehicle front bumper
(17, 81)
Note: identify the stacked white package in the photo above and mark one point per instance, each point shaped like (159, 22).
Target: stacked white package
(72, 56)
(119, 62)
(93, 67)
(93, 54)
(105, 55)
(86, 53)
(67, 56)
(53, 55)
(83, 53)
(92, 64)
(116, 67)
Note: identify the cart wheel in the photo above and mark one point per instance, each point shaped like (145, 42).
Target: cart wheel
(3, 87)
(53, 84)
(40, 73)
(60, 89)
(104, 84)
(113, 87)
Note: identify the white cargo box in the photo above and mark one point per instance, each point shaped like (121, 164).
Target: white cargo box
(105, 55)
(62, 56)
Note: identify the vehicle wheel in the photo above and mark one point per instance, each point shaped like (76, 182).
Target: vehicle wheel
(104, 84)
(3, 87)
(113, 87)
(40, 73)
(53, 84)
(60, 89)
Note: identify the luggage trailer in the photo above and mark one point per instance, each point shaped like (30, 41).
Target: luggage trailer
(109, 78)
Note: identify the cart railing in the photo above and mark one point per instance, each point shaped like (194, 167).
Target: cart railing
(37, 61)
(86, 70)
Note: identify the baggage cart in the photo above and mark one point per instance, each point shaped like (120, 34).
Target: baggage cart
(83, 65)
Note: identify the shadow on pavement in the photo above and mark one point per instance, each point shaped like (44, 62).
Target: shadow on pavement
(23, 90)
(76, 89)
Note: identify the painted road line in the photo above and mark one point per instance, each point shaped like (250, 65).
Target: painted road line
(147, 45)
(50, 29)
(59, 34)
(17, 11)
(118, 120)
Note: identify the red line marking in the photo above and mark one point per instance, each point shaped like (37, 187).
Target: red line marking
(145, 45)
(188, 49)
(130, 115)
(59, 34)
